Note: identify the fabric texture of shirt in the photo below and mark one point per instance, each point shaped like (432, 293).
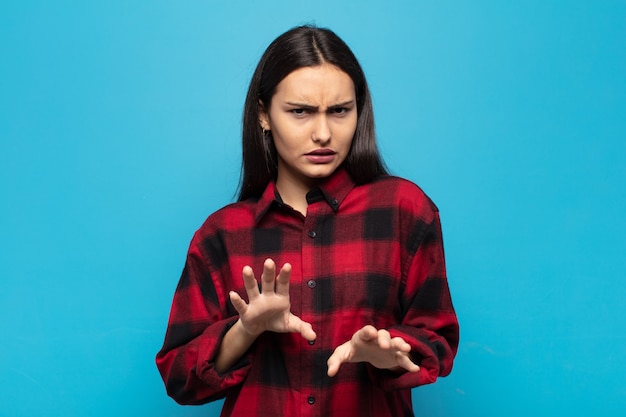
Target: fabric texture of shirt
(363, 254)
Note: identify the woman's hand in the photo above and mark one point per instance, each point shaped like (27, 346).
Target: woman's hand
(373, 346)
(269, 309)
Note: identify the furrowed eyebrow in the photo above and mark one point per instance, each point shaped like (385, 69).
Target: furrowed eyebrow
(301, 105)
(344, 104)
(308, 106)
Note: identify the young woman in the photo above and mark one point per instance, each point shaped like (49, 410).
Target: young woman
(352, 307)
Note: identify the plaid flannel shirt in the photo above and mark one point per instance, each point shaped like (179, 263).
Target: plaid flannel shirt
(363, 254)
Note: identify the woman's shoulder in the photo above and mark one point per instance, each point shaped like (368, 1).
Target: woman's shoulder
(401, 192)
(240, 214)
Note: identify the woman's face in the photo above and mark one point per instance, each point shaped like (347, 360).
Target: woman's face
(312, 117)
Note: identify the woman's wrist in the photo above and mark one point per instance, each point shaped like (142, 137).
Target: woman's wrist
(235, 344)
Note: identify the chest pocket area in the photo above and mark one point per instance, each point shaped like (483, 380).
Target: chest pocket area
(370, 298)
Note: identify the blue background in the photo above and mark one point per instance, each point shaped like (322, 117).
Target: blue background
(120, 126)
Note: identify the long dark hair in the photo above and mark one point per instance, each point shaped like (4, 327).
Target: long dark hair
(303, 46)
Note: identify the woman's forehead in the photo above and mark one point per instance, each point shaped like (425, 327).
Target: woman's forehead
(320, 84)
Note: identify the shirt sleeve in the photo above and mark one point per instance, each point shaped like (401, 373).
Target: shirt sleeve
(429, 323)
(199, 318)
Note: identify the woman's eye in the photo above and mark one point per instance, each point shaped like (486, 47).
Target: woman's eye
(339, 110)
(299, 112)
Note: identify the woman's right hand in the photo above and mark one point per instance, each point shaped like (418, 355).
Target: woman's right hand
(269, 309)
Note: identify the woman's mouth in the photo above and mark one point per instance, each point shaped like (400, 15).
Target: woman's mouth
(321, 156)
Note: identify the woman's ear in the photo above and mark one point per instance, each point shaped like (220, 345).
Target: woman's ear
(264, 118)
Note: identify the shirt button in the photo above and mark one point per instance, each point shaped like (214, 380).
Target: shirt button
(311, 400)
(334, 202)
(311, 283)
(312, 234)
(311, 342)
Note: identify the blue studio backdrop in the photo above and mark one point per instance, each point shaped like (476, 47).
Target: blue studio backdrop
(120, 133)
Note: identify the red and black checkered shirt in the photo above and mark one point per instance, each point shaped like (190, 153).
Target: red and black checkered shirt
(367, 254)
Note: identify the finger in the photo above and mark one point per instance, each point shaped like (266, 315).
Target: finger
(239, 304)
(282, 282)
(297, 325)
(333, 366)
(399, 344)
(405, 362)
(337, 358)
(367, 333)
(268, 277)
(249, 281)
(384, 339)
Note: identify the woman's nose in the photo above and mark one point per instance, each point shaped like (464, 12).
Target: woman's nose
(321, 132)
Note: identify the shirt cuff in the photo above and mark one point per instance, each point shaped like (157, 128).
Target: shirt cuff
(208, 350)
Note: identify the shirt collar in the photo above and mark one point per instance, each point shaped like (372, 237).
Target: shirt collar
(334, 190)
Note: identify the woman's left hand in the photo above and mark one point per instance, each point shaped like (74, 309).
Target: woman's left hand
(376, 347)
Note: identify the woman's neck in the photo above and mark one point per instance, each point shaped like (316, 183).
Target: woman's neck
(293, 192)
